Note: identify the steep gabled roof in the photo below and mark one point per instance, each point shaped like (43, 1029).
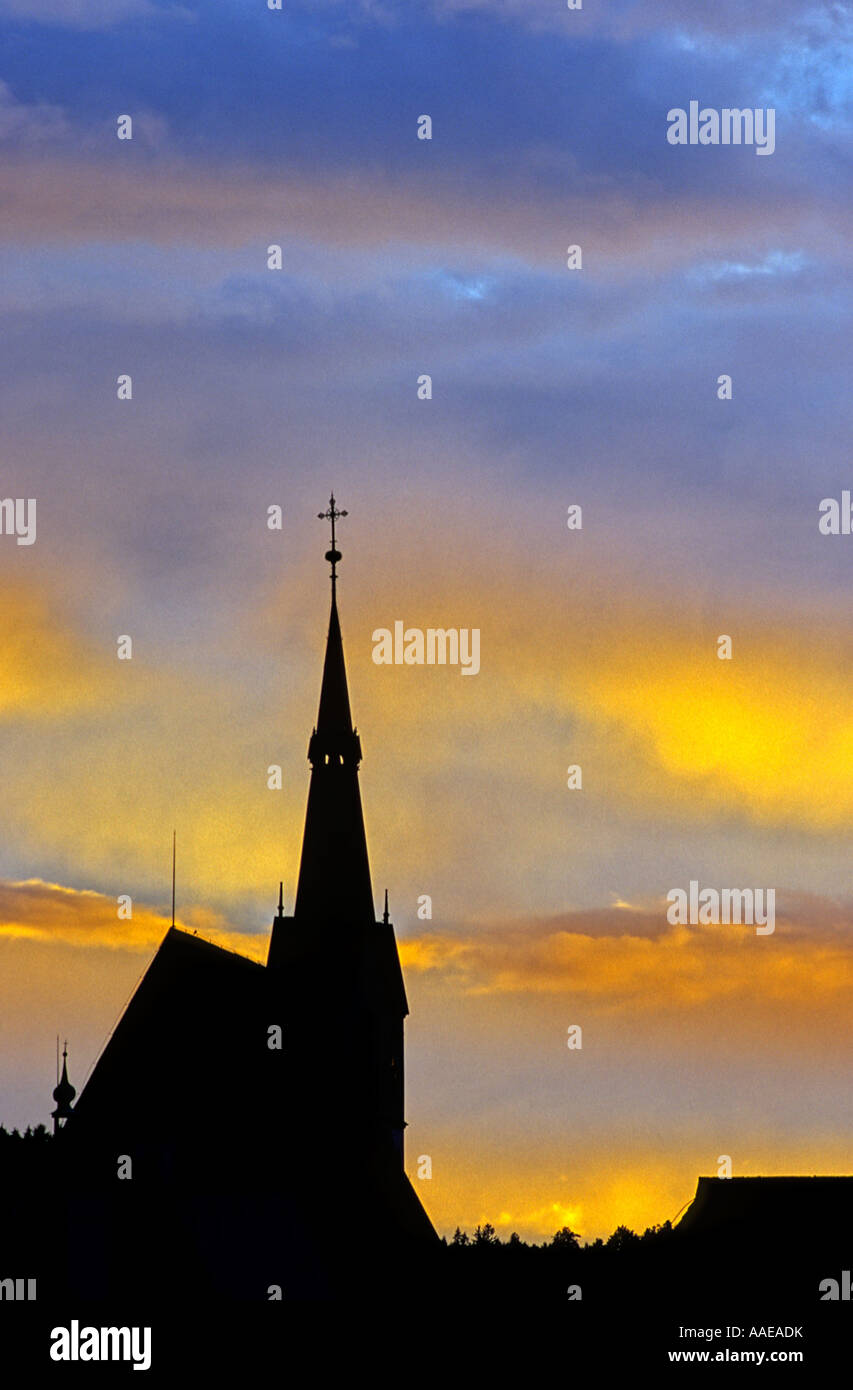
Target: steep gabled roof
(191, 1025)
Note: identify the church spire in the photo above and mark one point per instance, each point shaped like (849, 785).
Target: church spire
(334, 874)
(63, 1095)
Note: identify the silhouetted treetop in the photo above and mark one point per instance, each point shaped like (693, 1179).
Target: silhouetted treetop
(565, 1239)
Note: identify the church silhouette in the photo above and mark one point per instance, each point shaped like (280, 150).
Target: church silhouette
(241, 1135)
(241, 1141)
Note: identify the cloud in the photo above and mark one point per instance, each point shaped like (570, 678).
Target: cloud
(87, 14)
(674, 733)
(626, 19)
(47, 669)
(38, 911)
(622, 229)
(25, 125)
(622, 960)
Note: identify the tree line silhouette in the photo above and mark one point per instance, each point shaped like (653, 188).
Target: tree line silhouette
(563, 1242)
(28, 1157)
(703, 1272)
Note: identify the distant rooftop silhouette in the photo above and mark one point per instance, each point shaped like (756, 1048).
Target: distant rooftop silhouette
(757, 1206)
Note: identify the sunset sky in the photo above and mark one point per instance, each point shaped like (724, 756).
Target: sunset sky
(551, 387)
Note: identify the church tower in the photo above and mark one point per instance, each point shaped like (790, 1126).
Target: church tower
(283, 1164)
(338, 966)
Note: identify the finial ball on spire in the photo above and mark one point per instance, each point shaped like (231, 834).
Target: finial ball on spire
(332, 515)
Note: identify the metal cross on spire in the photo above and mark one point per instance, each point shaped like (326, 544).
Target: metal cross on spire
(332, 515)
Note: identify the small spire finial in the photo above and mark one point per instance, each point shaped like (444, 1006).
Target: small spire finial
(332, 515)
(63, 1094)
(385, 917)
(173, 878)
(281, 899)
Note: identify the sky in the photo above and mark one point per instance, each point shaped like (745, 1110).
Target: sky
(551, 388)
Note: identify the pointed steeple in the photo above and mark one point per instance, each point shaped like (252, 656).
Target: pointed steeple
(334, 738)
(334, 874)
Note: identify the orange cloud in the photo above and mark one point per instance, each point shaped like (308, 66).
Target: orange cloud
(671, 729)
(46, 669)
(625, 960)
(107, 756)
(39, 911)
(769, 733)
